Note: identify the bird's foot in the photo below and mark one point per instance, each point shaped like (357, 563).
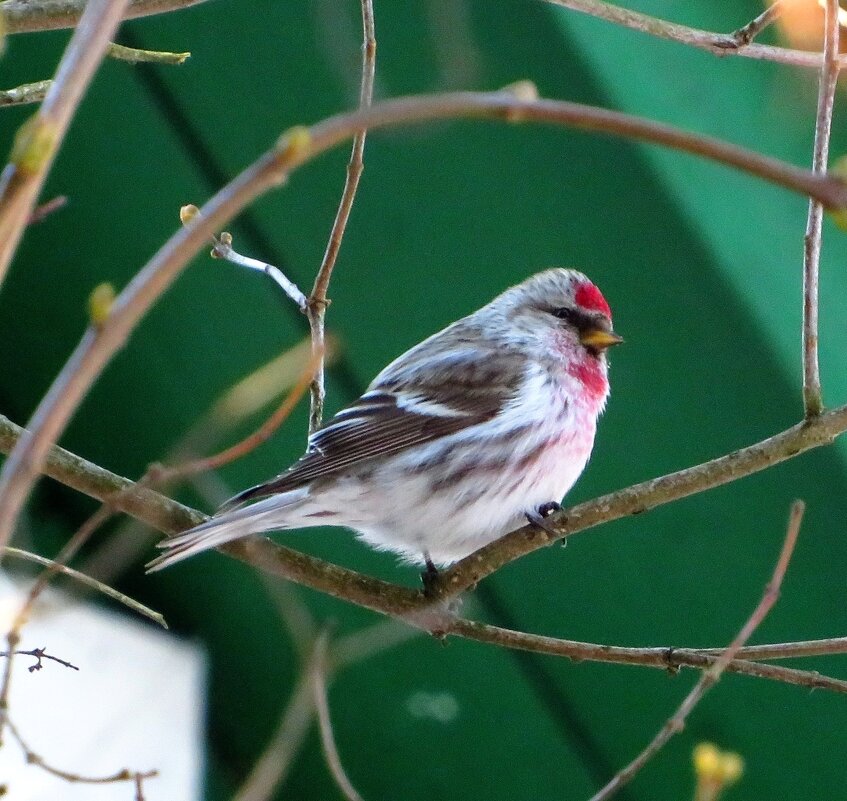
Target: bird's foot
(429, 577)
(538, 517)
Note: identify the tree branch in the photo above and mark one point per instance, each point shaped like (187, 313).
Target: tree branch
(25, 93)
(412, 606)
(670, 659)
(92, 583)
(26, 16)
(123, 775)
(719, 44)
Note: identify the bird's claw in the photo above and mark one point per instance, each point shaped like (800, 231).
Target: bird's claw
(429, 577)
(538, 517)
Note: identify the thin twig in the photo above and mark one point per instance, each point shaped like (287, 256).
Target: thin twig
(25, 93)
(752, 29)
(25, 16)
(812, 401)
(40, 137)
(318, 668)
(40, 655)
(41, 212)
(316, 308)
(719, 44)
(134, 55)
(88, 581)
(272, 766)
(223, 250)
(710, 677)
(36, 92)
(669, 659)
(33, 758)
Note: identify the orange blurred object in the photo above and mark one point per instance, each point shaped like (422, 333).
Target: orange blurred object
(801, 24)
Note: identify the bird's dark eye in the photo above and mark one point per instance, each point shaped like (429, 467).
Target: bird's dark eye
(563, 313)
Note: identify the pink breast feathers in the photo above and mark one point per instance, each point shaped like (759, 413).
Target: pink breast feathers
(591, 299)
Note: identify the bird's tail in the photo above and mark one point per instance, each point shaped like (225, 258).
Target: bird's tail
(265, 515)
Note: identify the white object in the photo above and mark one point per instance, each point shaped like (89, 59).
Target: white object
(136, 702)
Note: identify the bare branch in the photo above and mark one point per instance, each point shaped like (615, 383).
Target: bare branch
(719, 44)
(316, 307)
(223, 250)
(812, 401)
(670, 659)
(40, 655)
(123, 775)
(25, 93)
(318, 669)
(271, 768)
(40, 213)
(25, 16)
(88, 581)
(710, 677)
(411, 606)
(273, 765)
(752, 29)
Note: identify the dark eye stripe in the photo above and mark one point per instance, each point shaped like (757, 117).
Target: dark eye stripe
(575, 317)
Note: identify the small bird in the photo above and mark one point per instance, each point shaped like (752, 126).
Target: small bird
(463, 438)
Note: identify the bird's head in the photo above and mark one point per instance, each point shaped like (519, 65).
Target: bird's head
(562, 311)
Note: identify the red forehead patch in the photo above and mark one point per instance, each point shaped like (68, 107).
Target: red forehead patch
(589, 297)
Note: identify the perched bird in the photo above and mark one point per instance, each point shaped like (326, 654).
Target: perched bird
(463, 438)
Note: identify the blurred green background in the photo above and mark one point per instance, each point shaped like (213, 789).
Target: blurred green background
(702, 267)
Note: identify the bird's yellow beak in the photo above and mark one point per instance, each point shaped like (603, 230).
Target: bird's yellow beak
(599, 339)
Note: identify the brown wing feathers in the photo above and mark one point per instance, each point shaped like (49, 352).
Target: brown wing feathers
(397, 413)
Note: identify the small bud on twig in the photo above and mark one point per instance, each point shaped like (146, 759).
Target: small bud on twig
(522, 90)
(187, 213)
(715, 770)
(295, 143)
(34, 143)
(100, 304)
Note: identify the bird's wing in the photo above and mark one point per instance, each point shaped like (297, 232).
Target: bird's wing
(413, 401)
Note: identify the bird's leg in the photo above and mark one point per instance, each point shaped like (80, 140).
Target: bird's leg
(430, 575)
(537, 517)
